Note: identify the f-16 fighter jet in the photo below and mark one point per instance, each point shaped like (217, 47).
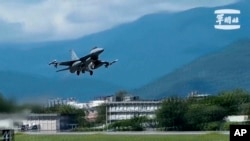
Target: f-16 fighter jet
(87, 63)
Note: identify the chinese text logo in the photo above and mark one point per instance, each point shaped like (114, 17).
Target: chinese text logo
(227, 19)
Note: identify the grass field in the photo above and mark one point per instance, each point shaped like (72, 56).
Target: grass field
(102, 137)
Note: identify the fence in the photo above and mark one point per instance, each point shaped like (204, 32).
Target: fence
(7, 135)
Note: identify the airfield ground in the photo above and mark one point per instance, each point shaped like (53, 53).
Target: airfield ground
(123, 137)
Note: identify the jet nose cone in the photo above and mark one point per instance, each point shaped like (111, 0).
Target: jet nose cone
(97, 50)
(101, 50)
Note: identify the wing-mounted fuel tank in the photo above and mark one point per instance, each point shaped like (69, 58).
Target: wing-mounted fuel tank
(75, 66)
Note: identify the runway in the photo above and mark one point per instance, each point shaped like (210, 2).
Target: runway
(130, 133)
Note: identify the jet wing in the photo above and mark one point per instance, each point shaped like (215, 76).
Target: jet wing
(70, 63)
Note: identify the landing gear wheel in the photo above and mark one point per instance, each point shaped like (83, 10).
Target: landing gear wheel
(78, 72)
(91, 72)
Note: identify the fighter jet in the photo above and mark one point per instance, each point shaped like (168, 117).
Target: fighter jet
(87, 63)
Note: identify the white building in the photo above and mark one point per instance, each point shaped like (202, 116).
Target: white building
(44, 121)
(129, 109)
(197, 95)
(77, 104)
(237, 118)
(49, 122)
(95, 103)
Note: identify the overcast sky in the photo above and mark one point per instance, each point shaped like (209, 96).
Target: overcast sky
(43, 20)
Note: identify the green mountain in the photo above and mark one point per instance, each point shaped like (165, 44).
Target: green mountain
(224, 70)
(141, 46)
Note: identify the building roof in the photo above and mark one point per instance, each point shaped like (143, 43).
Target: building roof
(43, 115)
(134, 102)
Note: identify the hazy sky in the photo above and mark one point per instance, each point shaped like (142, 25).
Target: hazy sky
(43, 20)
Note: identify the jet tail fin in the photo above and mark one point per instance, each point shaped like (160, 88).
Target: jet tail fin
(73, 55)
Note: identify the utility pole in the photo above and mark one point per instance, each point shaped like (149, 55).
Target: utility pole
(106, 104)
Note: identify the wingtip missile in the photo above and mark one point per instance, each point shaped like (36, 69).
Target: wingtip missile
(113, 62)
(54, 62)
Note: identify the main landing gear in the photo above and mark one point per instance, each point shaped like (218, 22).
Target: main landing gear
(78, 72)
(91, 72)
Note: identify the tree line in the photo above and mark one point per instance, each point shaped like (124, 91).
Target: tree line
(189, 113)
(203, 113)
(7, 105)
(175, 113)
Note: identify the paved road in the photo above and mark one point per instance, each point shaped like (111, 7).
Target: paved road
(129, 133)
